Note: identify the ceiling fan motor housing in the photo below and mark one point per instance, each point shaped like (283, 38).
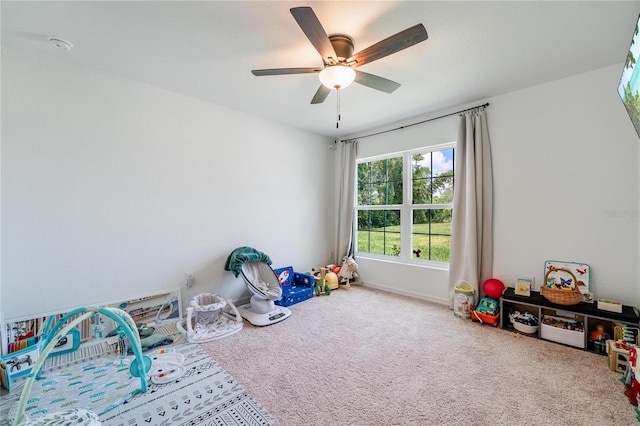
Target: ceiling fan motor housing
(343, 45)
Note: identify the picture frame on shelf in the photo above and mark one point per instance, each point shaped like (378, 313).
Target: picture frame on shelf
(522, 289)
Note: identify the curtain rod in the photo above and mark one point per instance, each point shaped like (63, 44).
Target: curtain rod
(415, 124)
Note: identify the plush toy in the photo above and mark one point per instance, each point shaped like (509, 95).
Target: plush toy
(154, 341)
(143, 330)
(151, 342)
(348, 271)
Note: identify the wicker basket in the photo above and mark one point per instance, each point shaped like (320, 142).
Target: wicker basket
(561, 297)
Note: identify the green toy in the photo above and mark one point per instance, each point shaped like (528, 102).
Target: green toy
(155, 340)
(321, 286)
(143, 330)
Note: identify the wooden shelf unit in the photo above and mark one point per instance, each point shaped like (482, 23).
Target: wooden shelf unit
(587, 313)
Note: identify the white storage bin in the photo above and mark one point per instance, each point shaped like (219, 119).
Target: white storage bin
(561, 335)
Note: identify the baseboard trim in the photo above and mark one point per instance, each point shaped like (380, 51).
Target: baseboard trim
(438, 300)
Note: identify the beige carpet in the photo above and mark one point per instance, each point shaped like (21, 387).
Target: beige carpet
(367, 357)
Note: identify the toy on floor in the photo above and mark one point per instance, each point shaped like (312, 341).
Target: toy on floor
(488, 309)
(148, 339)
(139, 364)
(328, 277)
(210, 317)
(167, 366)
(630, 380)
(487, 312)
(623, 358)
(348, 272)
(625, 337)
(488, 305)
(464, 300)
(339, 276)
(155, 340)
(332, 280)
(321, 286)
(617, 357)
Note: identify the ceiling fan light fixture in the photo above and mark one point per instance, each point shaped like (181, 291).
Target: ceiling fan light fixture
(337, 76)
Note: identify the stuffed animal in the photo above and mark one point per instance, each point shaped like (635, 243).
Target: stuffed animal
(154, 341)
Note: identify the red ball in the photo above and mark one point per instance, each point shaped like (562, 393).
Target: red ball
(493, 288)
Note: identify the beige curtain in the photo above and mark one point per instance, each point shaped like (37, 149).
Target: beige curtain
(346, 195)
(472, 223)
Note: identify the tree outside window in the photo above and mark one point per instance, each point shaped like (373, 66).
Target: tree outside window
(406, 216)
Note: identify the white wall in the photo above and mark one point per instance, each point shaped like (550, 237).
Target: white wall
(566, 186)
(112, 188)
(566, 182)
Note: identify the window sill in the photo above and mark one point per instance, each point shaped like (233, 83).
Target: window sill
(398, 261)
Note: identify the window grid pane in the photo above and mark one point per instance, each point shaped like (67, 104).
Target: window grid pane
(431, 234)
(380, 182)
(379, 232)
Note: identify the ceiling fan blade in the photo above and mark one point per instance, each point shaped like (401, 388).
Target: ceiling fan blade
(321, 94)
(376, 82)
(389, 45)
(283, 71)
(308, 21)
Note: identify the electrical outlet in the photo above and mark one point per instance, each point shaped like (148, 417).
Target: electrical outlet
(189, 279)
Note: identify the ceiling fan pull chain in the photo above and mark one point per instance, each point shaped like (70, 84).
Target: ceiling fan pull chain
(338, 112)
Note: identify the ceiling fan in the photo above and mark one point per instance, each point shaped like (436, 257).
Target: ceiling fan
(339, 62)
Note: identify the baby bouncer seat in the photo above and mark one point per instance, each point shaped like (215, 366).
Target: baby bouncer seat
(262, 283)
(209, 317)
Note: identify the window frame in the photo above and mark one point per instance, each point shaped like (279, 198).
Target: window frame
(406, 208)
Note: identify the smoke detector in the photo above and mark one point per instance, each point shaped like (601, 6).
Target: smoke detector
(60, 44)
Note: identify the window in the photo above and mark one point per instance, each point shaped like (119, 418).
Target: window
(404, 205)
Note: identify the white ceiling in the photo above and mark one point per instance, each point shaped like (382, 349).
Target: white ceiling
(206, 49)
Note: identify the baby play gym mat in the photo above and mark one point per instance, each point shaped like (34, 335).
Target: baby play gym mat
(203, 394)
